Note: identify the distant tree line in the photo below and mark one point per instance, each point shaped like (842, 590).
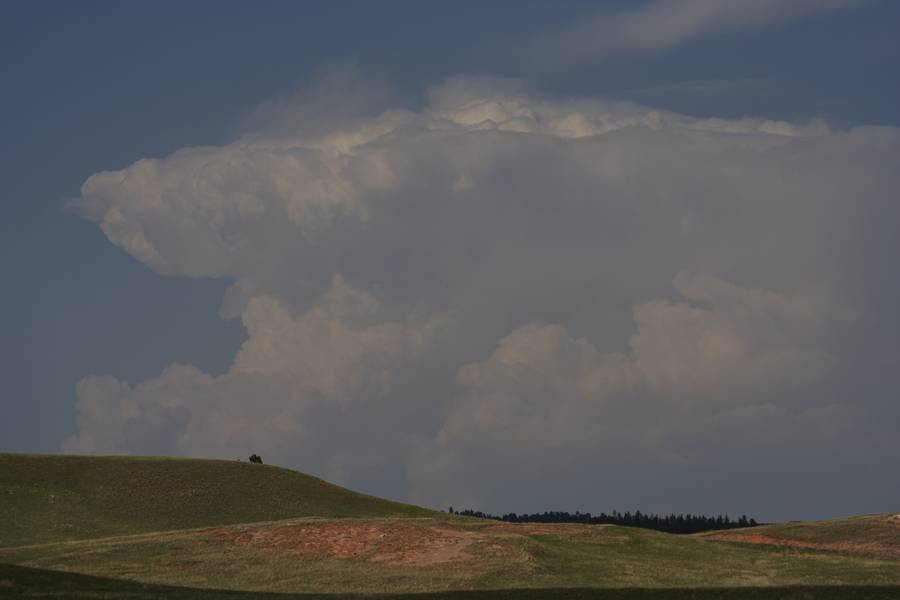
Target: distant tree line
(672, 523)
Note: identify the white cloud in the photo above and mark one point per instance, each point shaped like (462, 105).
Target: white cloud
(750, 341)
(663, 24)
(450, 303)
(544, 398)
(339, 353)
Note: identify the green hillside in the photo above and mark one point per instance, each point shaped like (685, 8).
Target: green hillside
(861, 531)
(866, 534)
(146, 527)
(406, 555)
(50, 498)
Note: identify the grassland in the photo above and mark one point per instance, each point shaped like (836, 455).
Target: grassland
(292, 534)
(863, 532)
(17, 582)
(51, 498)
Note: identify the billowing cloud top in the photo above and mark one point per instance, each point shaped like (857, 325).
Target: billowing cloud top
(453, 303)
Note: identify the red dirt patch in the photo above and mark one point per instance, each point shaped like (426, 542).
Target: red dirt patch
(844, 546)
(384, 542)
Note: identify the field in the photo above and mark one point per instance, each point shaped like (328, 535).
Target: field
(155, 527)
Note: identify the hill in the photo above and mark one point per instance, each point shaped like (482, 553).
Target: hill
(53, 498)
(405, 555)
(866, 534)
(161, 527)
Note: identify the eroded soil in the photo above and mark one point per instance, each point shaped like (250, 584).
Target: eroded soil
(385, 542)
(401, 543)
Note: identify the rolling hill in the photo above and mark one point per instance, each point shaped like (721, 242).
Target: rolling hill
(158, 527)
(54, 498)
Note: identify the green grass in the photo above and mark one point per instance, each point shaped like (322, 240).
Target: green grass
(25, 582)
(50, 498)
(111, 527)
(587, 557)
(865, 529)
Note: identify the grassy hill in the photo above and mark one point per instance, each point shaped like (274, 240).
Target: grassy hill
(863, 535)
(51, 498)
(406, 555)
(160, 527)
(851, 532)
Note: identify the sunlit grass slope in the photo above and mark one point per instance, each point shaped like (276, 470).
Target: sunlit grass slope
(402, 555)
(50, 498)
(883, 530)
(867, 534)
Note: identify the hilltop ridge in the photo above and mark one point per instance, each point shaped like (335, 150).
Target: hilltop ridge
(54, 498)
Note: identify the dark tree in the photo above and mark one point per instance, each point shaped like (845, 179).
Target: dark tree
(672, 523)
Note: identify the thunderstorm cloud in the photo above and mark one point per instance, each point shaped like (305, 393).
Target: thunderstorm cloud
(454, 302)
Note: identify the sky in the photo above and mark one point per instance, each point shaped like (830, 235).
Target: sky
(510, 256)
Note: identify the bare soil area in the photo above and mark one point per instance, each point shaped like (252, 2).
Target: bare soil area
(401, 543)
(385, 542)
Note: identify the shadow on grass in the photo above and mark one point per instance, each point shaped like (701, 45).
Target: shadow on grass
(26, 582)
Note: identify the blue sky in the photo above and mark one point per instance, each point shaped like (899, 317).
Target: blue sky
(95, 86)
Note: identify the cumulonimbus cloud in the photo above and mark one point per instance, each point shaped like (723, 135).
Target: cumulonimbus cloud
(446, 304)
